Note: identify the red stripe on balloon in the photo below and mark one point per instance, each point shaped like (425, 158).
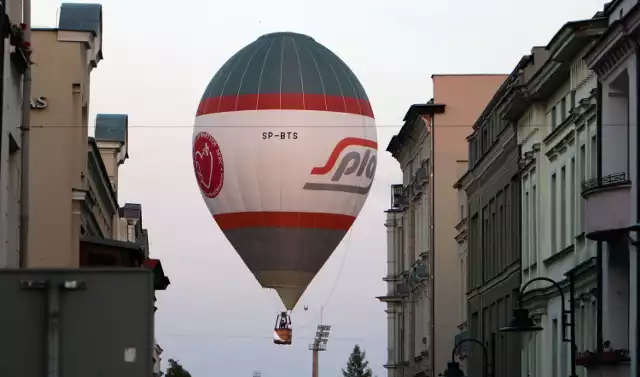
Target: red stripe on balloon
(341, 146)
(307, 220)
(285, 101)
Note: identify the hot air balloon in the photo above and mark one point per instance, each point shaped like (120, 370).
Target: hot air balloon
(284, 153)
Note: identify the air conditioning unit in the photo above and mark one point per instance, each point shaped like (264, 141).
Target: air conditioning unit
(417, 186)
(421, 176)
(402, 289)
(421, 272)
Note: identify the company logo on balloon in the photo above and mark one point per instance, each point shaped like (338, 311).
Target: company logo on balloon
(208, 164)
(352, 165)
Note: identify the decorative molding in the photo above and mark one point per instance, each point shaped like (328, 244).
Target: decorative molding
(614, 57)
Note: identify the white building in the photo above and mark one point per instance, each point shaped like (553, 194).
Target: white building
(10, 118)
(560, 134)
(157, 360)
(408, 243)
(612, 197)
(462, 238)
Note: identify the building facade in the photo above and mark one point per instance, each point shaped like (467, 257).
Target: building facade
(611, 194)
(13, 63)
(462, 238)
(60, 128)
(157, 361)
(492, 187)
(555, 109)
(75, 219)
(423, 302)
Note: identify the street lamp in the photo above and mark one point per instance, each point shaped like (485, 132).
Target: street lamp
(453, 368)
(522, 322)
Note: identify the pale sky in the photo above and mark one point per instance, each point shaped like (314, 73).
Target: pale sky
(159, 57)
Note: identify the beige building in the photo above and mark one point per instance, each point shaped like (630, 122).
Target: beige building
(74, 218)
(424, 272)
(61, 186)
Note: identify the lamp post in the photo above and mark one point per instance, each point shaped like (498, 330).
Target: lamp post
(453, 368)
(522, 322)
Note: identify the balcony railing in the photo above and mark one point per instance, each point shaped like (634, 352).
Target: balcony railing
(608, 181)
(396, 196)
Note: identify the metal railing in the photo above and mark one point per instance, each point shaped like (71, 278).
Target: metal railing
(611, 180)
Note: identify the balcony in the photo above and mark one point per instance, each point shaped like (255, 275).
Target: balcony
(398, 199)
(391, 359)
(607, 202)
(398, 294)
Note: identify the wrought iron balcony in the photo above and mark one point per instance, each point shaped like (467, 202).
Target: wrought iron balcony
(398, 200)
(604, 183)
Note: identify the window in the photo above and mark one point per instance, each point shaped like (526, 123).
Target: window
(554, 348)
(473, 251)
(563, 109)
(553, 214)
(573, 196)
(563, 208)
(130, 234)
(485, 138)
(573, 99)
(532, 348)
(554, 117)
(593, 152)
(485, 243)
(583, 177)
(494, 238)
(502, 226)
(525, 230)
(534, 225)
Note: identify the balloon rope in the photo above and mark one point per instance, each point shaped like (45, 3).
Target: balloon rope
(344, 258)
(333, 288)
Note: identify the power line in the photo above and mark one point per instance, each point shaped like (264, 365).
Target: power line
(256, 337)
(191, 126)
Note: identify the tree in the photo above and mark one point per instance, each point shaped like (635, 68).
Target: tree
(357, 365)
(175, 369)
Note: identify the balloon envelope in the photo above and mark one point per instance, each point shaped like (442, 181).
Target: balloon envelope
(284, 152)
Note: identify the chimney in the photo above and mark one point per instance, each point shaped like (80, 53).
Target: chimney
(112, 133)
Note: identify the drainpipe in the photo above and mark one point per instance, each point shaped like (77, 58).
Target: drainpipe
(2, 51)
(25, 145)
(432, 256)
(637, 361)
(599, 272)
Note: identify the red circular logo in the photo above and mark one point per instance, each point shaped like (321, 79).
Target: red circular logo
(208, 164)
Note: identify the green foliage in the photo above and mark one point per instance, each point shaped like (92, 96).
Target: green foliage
(357, 365)
(175, 369)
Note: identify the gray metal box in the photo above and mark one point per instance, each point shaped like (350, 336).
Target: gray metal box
(104, 329)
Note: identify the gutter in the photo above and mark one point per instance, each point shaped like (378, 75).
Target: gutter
(25, 145)
(599, 267)
(3, 20)
(637, 358)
